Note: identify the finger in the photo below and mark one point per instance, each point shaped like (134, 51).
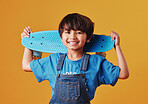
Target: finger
(26, 32)
(115, 33)
(112, 35)
(117, 40)
(29, 29)
(21, 35)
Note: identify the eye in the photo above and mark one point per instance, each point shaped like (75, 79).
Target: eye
(79, 32)
(67, 32)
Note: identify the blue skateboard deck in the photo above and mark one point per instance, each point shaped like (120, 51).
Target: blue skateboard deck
(50, 42)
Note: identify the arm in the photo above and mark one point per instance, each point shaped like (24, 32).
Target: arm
(27, 57)
(124, 72)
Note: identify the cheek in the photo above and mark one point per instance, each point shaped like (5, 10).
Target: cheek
(63, 39)
(84, 38)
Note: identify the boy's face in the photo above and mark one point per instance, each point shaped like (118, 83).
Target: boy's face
(74, 39)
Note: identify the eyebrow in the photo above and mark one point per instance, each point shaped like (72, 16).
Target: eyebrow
(70, 29)
(65, 30)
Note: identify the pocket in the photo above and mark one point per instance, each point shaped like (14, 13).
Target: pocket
(69, 91)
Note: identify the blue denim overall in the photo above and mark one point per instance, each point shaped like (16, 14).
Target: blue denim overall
(71, 89)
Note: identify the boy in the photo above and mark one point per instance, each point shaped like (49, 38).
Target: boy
(75, 75)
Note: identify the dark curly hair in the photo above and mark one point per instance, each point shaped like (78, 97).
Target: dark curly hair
(77, 21)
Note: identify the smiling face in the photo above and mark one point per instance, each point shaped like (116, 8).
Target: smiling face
(74, 39)
(75, 30)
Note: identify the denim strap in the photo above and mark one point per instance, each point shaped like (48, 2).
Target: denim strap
(60, 62)
(84, 62)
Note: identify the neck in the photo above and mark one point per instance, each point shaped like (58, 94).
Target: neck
(75, 55)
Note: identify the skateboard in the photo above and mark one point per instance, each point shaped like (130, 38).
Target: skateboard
(50, 42)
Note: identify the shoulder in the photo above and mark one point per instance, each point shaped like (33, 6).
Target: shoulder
(51, 58)
(55, 55)
(96, 58)
(96, 61)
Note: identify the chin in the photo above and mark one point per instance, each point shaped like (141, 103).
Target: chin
(75, 49)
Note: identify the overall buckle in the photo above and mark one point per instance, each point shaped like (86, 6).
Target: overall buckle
(82, 75)
(58, 75)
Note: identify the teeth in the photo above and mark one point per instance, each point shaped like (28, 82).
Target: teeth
(72, 43)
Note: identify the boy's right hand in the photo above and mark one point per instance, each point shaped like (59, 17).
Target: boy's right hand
(26, 32)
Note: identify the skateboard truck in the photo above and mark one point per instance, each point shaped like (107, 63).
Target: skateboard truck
(37, 55)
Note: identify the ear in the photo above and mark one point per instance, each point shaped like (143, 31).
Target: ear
(88, 40)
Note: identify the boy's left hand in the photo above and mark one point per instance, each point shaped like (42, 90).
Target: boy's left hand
(115, 36)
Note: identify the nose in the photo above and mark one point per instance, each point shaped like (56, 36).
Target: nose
(72, 35)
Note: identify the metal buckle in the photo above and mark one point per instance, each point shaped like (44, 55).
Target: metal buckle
(82, 75)
(58, 75)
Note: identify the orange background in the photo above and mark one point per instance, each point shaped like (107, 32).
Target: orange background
(127, 17)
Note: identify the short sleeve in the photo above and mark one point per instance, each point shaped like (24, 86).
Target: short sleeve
(40, 69)
(108, 73)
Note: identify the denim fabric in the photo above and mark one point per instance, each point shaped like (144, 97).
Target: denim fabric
(70, 89)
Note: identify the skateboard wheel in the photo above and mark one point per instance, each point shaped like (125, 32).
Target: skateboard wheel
(37, 54)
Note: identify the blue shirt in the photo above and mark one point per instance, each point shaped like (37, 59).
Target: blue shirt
(100, 71)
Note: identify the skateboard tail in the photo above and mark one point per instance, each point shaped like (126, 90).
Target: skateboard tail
(99, 43)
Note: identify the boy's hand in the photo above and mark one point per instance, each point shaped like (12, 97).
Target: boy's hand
(115, 36)
(26, 32)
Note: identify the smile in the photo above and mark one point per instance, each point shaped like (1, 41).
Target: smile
(73, 43)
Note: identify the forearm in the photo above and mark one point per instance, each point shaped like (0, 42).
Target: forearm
(124, 72)
(27, 58)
